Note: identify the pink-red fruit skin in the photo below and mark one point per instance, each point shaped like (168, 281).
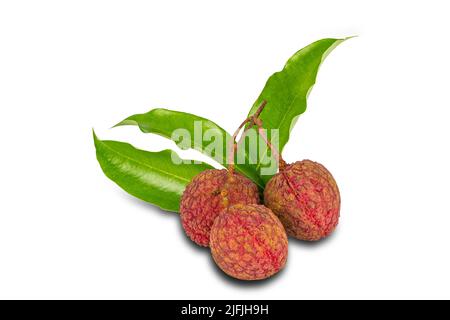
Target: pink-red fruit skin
(209, 193)
(248, 242)
(306, 199)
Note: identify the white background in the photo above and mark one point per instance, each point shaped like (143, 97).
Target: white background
(377, 118)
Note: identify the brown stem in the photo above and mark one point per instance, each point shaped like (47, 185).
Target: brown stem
(259, 110)
(254, 120)
(275, 153)
(233, 145)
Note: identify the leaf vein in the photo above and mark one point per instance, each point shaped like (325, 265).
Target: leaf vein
(143, 164)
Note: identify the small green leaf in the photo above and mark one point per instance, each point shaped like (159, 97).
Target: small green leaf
(191, 131)
(286, 92)
(154, 177)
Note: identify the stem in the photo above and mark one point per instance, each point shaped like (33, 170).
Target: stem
(233, 146)
(254, 120)
(275, 153)
(259, 110)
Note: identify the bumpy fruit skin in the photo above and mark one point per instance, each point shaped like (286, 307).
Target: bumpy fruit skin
(306, 198)
(209, 193)
(248, 242)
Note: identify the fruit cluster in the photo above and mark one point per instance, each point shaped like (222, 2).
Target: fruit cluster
(246, 226)
(248, 241)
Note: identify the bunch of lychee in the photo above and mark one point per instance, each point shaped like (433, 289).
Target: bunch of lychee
(248, 241)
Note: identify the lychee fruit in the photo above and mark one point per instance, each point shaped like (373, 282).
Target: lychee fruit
(248, 242)
(209, 193)
(305, 197)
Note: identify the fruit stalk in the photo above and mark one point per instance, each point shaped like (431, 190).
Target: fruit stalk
(233, 145)
(254, 120)
(275, 153)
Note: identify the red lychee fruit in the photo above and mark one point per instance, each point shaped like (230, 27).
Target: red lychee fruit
(209, 193)
(248, 242)
(305, 197)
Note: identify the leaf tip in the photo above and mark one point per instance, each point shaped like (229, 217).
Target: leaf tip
(125, 122)
(349, 37)
(130, 121)
(97, 141)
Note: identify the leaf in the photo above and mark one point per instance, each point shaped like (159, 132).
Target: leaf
(191, 131)
(286, 92)
(151, 176)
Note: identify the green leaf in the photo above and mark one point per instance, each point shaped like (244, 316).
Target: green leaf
(191, 131)
(151, 176)
(286, 92)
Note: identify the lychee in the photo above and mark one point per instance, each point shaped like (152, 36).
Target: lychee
(248, 242)
(305, 197)
(209, 193)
